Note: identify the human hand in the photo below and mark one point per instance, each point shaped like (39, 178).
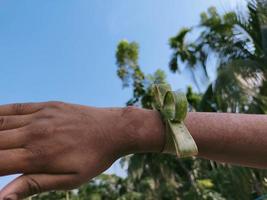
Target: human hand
(58, 146)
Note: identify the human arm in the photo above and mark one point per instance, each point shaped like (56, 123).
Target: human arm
(57, 145)
(239, 139)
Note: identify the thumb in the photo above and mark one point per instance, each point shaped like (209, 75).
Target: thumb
(28, 185)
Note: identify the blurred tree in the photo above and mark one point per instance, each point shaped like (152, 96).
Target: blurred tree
(237, 43)
(156, 176)
(55, 195)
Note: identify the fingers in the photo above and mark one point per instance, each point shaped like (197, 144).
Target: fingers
(15, 161)
(16, 121)
(13, 139)
(28, 185)
(20, 108)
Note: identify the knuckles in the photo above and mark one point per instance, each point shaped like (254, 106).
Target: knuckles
(55, 104)
(50, 110)
(33, 186)
(19, 107)
(2, 122)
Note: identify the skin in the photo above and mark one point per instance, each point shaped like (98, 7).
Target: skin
(57, 145)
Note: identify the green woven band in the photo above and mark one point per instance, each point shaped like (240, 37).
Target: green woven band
(173, 109)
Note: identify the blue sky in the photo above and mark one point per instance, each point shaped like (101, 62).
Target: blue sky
(64, 49)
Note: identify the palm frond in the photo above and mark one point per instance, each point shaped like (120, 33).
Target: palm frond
(264, 39)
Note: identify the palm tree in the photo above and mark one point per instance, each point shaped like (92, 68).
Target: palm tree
(236, 43)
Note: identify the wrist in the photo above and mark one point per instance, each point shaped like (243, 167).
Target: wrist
(142, 129)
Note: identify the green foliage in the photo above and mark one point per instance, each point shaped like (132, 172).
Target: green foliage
(238, 42)
(104, 187)
(59, 195)
(128, 69)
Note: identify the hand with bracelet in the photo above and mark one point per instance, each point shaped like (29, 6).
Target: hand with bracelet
(57, 145)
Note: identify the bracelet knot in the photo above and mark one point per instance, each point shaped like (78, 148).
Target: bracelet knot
(173, 108)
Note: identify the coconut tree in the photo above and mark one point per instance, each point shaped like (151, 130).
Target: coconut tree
(237, 44)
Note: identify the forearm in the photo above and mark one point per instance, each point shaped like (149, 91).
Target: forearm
(234, 138)
(56, 145)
